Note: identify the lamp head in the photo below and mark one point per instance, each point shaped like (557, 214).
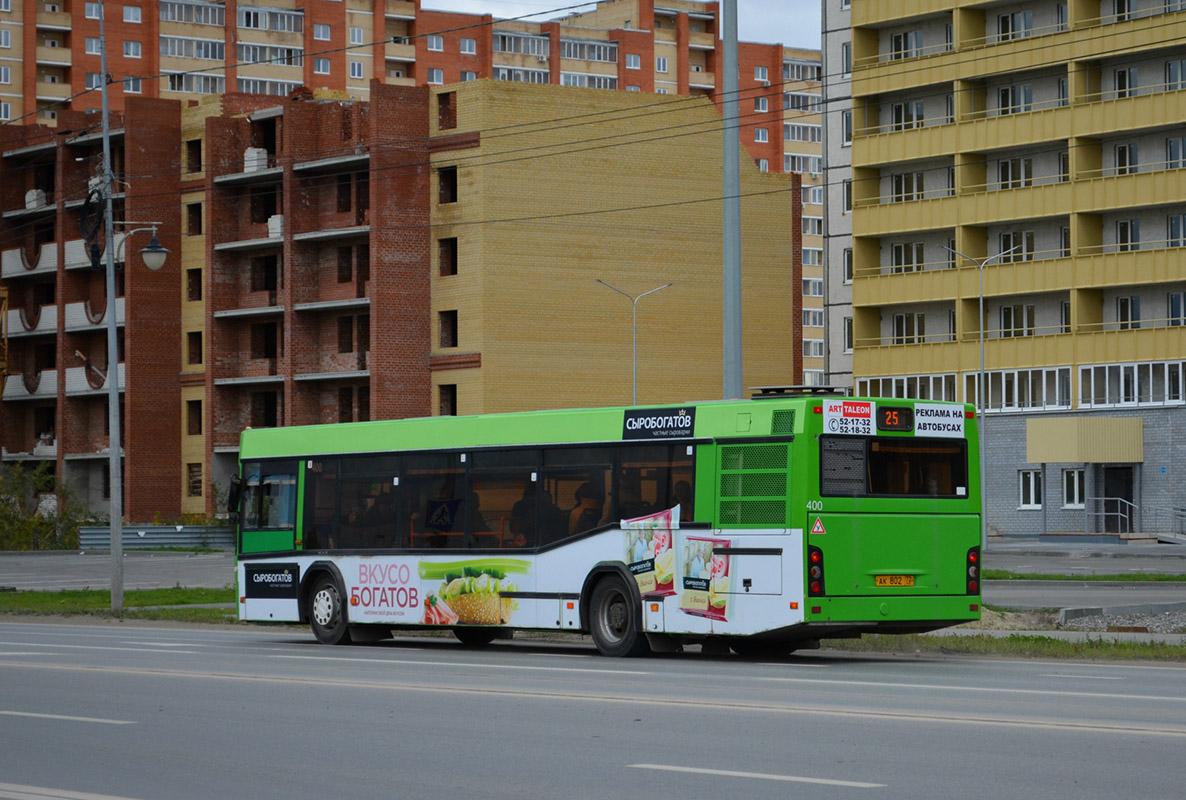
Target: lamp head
(154, 255)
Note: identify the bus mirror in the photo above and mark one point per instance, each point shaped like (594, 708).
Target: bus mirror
(234, 495)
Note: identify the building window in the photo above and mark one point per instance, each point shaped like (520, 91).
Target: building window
(846, 57)
(1126, 82)
(92, 45)
(1064, 317)
(193, 417)
(909, 328)
(1175, 152)
(321, 66)
(1175, 308)
(848, 334)
(761, 104)
(132, 14)
(193, 219)
(447, 252)
(907, 115)
(1128, 312)
(661, 64)
(1073, 482)
(356, 69)
(633, 61)
(468, 75)
(1015, 173)
(193, 480)
(320, 32)
(905, 45)
(193, 284)
(1064, 167)
(1017, 320)
(1031, 488)
(436, 43)
(265, 341)
(1021, 243)
(345, 334)
(193, 347)
(813, 318)
(1128, 235)
(1015, 99)
(813, 287)
(846, 200)
(907, 186)
(469, 47)
(763, 164)
(761, 74)
(761, 135)
(93, 79)
(436, 76)
(1175, 230)
(131, 49)
(1126, 159)
(846, 128)
(813, 348)
(448, 320)
(1060, 14)
(448, 399)
(94, 10)
(265, 273)
(447, 188)
(848, 269)
(132, 85)
(1175, 73)
(356, 35)
(1064, 242)
(1017, 25)
(908, 257)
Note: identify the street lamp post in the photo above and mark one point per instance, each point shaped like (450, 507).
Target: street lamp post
(154, 259)
(980, 404)
(634, 328)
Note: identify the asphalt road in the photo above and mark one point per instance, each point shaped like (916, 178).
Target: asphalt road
(147, 570)
(125, 712)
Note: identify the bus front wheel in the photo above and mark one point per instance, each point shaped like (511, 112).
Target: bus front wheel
(327, 614)
(476, 637)
(614, 620)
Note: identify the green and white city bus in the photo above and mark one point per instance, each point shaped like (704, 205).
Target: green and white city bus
(764, 524)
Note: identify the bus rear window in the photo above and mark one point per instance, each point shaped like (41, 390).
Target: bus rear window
(269, 495)
(893, 466)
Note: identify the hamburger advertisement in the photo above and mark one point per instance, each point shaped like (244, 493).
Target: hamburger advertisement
(650, 554)
(470, 592)
(706, 578)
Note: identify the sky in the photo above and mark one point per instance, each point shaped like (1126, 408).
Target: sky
(795, 23)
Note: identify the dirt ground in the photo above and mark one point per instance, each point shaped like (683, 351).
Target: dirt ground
(1013, 620)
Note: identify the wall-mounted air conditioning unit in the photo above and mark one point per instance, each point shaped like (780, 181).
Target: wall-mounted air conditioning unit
(35, 198)
(255, 158)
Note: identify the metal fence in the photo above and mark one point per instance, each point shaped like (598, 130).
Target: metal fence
(157, 536)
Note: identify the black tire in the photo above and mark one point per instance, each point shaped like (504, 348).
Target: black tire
(759, 648)
(615, 620)
(476, 637)
(327, 612)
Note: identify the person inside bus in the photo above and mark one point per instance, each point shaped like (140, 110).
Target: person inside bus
(473, 514)
(378, 522)
(586, 513)
(683, 496)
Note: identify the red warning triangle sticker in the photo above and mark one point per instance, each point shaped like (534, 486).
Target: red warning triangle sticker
(818, 528)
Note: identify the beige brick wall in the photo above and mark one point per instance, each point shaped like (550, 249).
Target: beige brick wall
(571, 185)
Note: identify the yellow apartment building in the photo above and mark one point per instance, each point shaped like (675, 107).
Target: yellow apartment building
(1027, 159)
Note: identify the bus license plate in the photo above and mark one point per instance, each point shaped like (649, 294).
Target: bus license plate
(893, 580)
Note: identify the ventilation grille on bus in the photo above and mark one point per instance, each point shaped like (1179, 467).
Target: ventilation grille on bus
(753, 484)
(783, 422)
(842, 466)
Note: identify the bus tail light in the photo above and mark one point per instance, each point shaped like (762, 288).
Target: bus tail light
(815, 572)
(973, 572)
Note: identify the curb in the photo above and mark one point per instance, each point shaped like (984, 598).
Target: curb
(1067, 614)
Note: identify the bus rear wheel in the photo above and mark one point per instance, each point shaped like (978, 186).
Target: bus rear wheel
(476, 637)
(761, 648)
(327, 614)
(615, 620)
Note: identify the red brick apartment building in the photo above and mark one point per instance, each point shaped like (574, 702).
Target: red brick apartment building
(337, 259)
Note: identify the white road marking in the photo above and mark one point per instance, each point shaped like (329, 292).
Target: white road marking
(728, 773)
(986, 689)
(166, 644)
(98, 647)
(99, 720)
(410, 662)
(1083, 677)
(13, 791)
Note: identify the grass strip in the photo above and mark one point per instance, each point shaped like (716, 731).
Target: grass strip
(88, 601)
(1128, 577)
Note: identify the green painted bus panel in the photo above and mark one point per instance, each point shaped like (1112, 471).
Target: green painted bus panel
(266, 541)
(930, 548)
(954, 609)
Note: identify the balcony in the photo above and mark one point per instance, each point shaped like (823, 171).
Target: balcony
(90, 381)
(52, 20)
(79, 317)
(701, 80)
(14, 263)
(53, 56)
(52, 91)
(867, 13)
(36, 385)
(42, 321)
(400, 9)
(702, 41)
(393, 51)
